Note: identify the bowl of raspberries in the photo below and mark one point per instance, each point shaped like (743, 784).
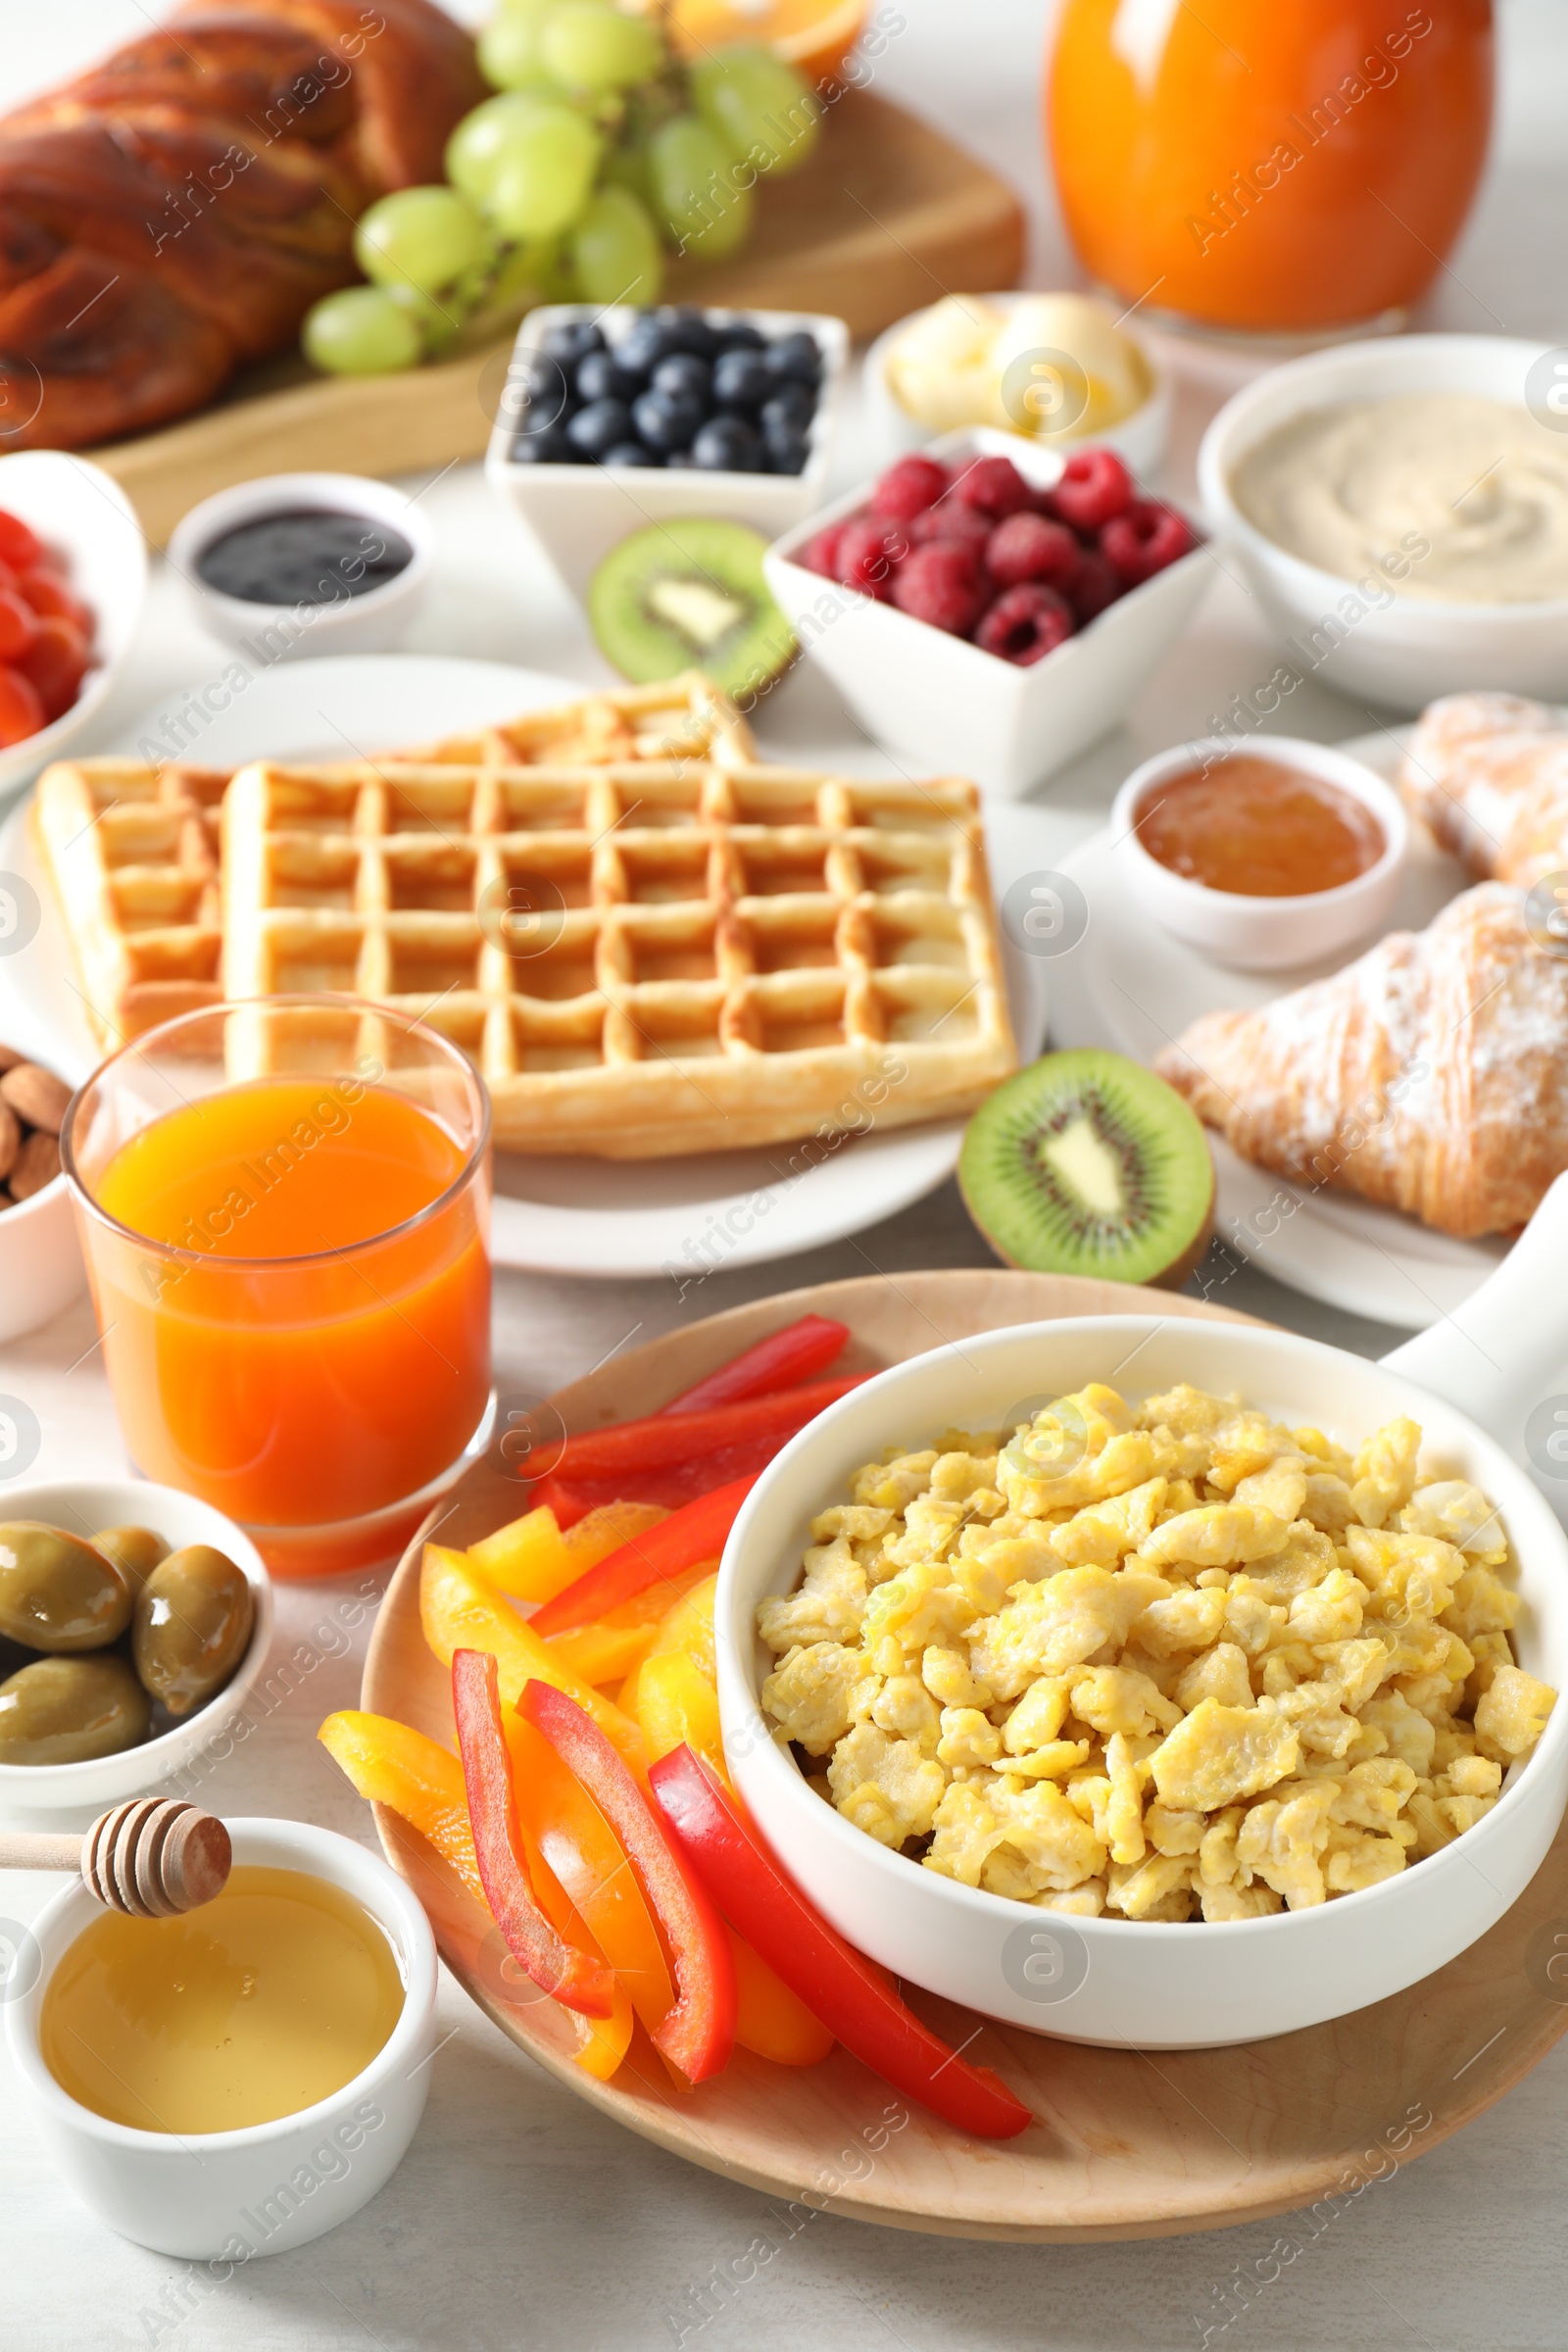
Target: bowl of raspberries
(990, 605)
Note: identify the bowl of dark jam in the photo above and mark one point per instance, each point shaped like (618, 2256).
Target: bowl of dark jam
(293, 565)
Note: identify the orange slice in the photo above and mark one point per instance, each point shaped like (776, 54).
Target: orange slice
(816, 35)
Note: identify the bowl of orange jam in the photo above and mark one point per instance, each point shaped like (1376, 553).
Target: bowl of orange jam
(1265, 858)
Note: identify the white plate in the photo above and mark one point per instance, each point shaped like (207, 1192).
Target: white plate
(1129, 983)
(598, 1218)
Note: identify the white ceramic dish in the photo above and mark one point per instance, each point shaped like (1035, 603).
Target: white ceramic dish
(1264, 935)
(577, 514)
(82, 513)
(83, 1505)
(1138, 440)
(226, 2197)
(359, 625)
(597, 1219)
(40, 1260)
(939, 700)
(1116, 1981)
(1411, 650)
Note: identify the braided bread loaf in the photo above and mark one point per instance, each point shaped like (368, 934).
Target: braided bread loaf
(175, 212)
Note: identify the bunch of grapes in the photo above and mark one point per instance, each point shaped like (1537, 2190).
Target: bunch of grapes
(600, 150)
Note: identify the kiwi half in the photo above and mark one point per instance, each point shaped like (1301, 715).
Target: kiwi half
(689, 594)
(1087, 1164)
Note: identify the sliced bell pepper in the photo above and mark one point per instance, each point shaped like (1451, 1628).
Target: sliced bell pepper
(699, 2032)
(770, 2018)
(574, 1978)
(607, 1649)
(673, 1486)
(677, 1707)
(662, 1438)
(794, 1353)
(828, 1974)
(532, 1558)
(695, 1532)
(458, 1610)
(689, 1627)
(391, 1764)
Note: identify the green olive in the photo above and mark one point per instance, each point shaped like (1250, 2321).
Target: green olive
(194, 1616)
(57, 1594)
(67, 1711)
(134, 1551)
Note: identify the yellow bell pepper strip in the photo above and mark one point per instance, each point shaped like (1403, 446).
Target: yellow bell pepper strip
(785, 1356)
(458, 1610)
(699, 2033)
(532, 1559)
(574, 1978)
(828, 1973)
(696, 1531)
(770, 2018)
(689, 1627)
(676, 1705)
(391, 1764)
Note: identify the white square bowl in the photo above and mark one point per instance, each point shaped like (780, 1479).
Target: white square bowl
(942, 701)
(577, 514)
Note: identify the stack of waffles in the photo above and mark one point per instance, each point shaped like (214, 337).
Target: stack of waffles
(648, 942)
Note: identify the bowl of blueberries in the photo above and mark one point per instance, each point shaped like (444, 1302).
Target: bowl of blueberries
(613, 418)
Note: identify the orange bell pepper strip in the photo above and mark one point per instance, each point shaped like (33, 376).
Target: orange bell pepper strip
(459, 1610)
(660, 1438)
(699, 2033)
(391, 1764)
(814, 1959)
(801, 1349)
(532, 1559)
(695, 1532)
(770, 2018)
(607, 1649)
(574, 1978)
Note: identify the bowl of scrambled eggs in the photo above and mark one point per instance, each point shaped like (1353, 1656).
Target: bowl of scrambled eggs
(1171, 1684)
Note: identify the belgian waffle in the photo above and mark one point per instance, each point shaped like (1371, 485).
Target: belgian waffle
(132, 849)
(643, 958)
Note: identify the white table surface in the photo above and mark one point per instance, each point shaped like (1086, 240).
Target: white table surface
(519, 2217)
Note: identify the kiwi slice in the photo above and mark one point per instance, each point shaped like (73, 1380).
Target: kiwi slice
(1087, 1164)
(689, 594)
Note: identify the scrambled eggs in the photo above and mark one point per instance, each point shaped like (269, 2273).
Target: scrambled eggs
(1160, 1660)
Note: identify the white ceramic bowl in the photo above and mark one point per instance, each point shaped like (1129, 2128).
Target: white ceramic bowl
(938, 699)
(82, 513)
(577, 514)
(1138, 440)
(1264, 935)
(176, 1760)
(40, 1260)
(1411, 650)
(1108, 1981)
(352, 624)
(225, 2197)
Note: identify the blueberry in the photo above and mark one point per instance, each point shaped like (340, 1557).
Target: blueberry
(688, 330)
(741, 379)
(667, 421)
(572, 339)
(741, 337)
(684, 372)
(630, 453)
(795, 358)
(547, 447)
(727, 445)
(789, 411)
(643, 345)
(787, 450)
(599, 427)
(600, 377)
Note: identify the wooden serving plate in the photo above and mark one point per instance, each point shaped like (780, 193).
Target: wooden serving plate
(886, 216)
(1127, 2145)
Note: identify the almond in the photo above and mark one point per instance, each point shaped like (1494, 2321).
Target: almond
(10, 1139)
(37, 1164)
(36, 1096)
(9, 1056)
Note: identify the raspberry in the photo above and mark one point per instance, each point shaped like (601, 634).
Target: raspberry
(822, 553)
(1094, 486)
(950, 521)
(1145, 539)
(868, 549)
(993, 485)
(1026, 547)
(941, 585)
(1024, 625)
(1094, 586)
(909, 487)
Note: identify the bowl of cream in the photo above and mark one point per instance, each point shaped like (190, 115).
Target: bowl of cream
(1402, 510)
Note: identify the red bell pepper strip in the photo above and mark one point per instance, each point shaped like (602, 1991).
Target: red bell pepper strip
(833, 1980)
(699, 2033)
(777, 1362)
(570, 1976)
(664, 1439)
(695, 1532)
(673, 1487)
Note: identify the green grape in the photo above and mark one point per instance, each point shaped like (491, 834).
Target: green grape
(590, 46)
(479, 144)
(625, 166)
(760, 106)
(542, 180)
(696, 194)
(615, 250)
(509, 49)
(437, 321)
(420, 237)
(359, 331)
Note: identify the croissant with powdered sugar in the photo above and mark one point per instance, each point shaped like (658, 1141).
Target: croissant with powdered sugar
(1488, 774)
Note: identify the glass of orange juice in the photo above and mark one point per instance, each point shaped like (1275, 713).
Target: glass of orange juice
(284, 1208)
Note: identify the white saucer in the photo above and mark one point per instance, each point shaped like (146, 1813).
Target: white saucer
(1128, 984)
(604, 1220)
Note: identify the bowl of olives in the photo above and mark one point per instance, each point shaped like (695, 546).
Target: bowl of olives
(133, 1622)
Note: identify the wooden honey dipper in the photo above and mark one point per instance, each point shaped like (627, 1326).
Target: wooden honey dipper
(150, 1858)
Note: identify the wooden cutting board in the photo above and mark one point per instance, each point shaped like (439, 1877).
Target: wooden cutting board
(1126, 2144)
(887, 217)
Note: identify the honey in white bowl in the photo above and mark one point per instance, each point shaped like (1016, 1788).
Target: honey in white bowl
(268, 1999)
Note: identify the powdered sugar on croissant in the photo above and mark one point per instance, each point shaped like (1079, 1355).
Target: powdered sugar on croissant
(1489, 775)
(1431, 1075)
